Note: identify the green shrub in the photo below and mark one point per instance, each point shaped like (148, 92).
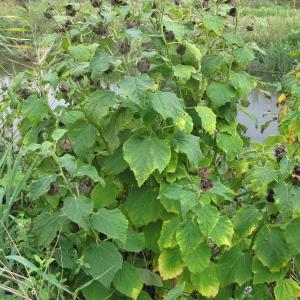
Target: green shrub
(141, 184)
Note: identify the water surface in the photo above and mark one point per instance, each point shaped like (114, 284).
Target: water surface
(264, 109)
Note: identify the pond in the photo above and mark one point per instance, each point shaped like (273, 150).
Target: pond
(262, 107)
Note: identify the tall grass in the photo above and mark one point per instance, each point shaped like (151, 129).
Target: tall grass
(270, 11)
(276, 29)
(260, 3)
(270, 24)
(21, 30)
(277, 60)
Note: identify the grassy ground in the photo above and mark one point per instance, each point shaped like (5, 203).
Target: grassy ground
(276, 29)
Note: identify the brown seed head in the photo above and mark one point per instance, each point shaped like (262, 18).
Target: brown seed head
(64, 88)
(270, 196)
(96, 3)
(181, 49)
(68, 25)
(169, 35)
(24, 93)
(297, 169)
(206, 185)
(280, 152)
(53, 189)
(66, 145)
(143, 65)
(85, 186)
(48, 15)
(70, 10)
(124, 47)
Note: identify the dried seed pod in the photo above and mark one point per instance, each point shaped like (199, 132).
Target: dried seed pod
(118, 2)
(233, 12)
(78, 78)
(295, 63)
(53, 189)
(206, 185)
(280, 152)
(205, 5)
(143, 65)
(194, 294)
(181, 49)
(154, 14)
(169, 35)
(297, 169)
(75, 38)
(70, 10)
(85, 186)
(68, 25)
(66, 145)
(296, 181)
(96, 3)
(250, 27)
(24, 93)
(231, 2)
(93, 84)
(124, 47)
(109, 70)
(270, 196)
(59, 30)
(101, 29)
(48, 15)
(64, 88)
(133, 23)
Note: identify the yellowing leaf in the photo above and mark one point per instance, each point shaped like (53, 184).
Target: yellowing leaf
(292, 138)
(168, 234)
(198, 259)
(287, 289)
(206, 282)
(128, 281)
(184, 123)
(223, 232)
(23, 47)
(282, 113)
(208, 118)
(282, 98)
(170, 264)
